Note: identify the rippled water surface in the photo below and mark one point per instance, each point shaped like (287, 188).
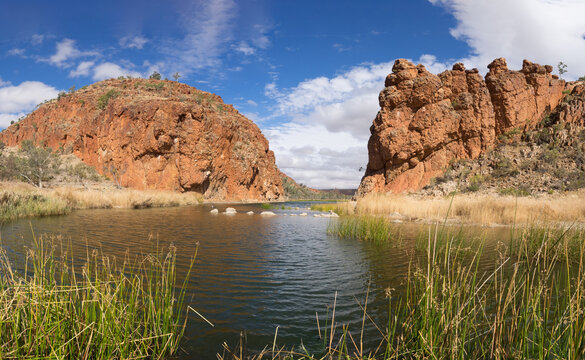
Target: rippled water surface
(253, 273)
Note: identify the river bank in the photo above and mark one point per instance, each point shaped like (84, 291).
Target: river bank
(18, 200)
(477, 209)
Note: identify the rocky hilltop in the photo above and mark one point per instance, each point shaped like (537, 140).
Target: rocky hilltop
(427, 122)
(157, 134)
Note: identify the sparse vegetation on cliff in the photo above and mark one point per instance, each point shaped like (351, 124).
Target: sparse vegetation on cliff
(105, 98)
(550, 158)
(427, 121)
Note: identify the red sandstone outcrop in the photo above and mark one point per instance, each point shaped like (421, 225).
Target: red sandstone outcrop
(152, 134)
(427, 121)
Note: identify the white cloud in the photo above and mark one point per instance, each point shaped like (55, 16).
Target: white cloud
(312, 155)
(37, 39)
(16, 52)
(322, 90)
(67, 51)
(260, 38)
(252, 103)
(208, 26)
(15, 101)
(340, 110)
(244, 48)
(133, 42)
(4, 83)
(341, 47)
(543, 31)
(5, 119)
(110, 70)
(82, 69)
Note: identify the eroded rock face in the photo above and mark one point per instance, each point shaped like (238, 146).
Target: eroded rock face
(426, 120)
(152, 134)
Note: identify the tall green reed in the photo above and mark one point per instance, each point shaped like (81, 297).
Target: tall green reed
(54, 308)
(367, 228)
(528, 305)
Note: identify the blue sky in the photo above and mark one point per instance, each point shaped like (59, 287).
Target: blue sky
(307, 72)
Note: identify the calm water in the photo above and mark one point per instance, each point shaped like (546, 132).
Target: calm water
(253, 274)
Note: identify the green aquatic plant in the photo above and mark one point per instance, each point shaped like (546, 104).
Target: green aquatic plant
(530, 306)
(367, 228)
(52, 307)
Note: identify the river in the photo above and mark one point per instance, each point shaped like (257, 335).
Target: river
(253, 273)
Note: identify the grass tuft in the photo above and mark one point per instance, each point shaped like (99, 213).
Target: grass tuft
(15, 205)
(367, 228)
(101, 310)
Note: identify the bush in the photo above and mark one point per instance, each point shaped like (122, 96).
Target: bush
(83, 171)
(32, 164)
(105, 98)
(475, 182)
(155, 76)
(504, 168)
(157, 86)
(550, 156)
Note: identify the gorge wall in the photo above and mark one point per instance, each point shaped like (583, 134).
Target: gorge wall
(426, 121)
(157, 134)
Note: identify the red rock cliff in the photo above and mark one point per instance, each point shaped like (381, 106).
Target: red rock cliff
(153, 134)
(427, 120)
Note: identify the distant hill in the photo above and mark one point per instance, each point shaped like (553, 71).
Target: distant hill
(296, 191)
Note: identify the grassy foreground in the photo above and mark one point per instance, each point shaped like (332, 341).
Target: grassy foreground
(101, 310)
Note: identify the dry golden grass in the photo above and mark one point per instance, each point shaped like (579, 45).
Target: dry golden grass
(124, 198)
(476, 208)
(81, 198)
